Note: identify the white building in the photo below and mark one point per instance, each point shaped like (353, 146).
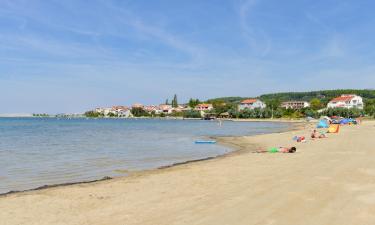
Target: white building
(120, 111)
(166, 109)
(203, 108)
(152, 109)
(162, 108)
(180, 108)
(346, 101)
(295, 105)
(251, 104)
(103, 111)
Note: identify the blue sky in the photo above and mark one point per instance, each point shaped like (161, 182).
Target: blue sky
(70, 56)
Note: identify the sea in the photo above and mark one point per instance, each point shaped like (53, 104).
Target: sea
(47, 151)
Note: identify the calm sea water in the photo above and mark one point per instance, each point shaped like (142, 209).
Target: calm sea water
(36, 152)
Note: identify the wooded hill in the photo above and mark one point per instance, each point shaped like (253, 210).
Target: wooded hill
(325, 95)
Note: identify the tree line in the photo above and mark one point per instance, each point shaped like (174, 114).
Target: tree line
(318, 101)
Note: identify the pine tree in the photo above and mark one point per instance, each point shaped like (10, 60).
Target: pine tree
(174, 102)
(167, 102)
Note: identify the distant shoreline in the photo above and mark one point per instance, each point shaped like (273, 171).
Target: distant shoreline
(21, 115)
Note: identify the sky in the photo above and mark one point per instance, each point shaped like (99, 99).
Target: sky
(72, 56)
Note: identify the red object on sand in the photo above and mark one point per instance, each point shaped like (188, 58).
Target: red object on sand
(300, 139)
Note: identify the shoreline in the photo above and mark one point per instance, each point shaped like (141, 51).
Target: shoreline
(312, 184)
(221, 140)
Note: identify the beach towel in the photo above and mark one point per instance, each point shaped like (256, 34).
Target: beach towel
(345, 121)
(299, 139)
(334, 128)
(273, 150)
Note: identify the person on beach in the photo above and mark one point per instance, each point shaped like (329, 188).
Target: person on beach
(279, 150)
(315, 134)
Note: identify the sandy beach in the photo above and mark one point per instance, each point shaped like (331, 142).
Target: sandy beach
(328, 181)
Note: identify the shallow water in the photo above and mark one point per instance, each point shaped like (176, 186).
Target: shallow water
(45, 151)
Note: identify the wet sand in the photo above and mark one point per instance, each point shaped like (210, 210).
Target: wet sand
(328, 181)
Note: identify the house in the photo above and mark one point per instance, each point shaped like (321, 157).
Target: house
(120, 108)
(152, 109)
(104, 111)
(179, 108)
(203, 107)
(184, 107)
(162, 108)
(295, 105)
(121, 111)
(251, 104)
(166, 109)
(346, 101)
(99, 110)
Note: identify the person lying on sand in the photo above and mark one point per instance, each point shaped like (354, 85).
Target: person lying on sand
(316, 134)
(279, 150)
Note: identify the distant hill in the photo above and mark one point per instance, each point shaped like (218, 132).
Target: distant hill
(324, 95)
(227, 99)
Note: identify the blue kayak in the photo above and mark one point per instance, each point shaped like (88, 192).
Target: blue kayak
(205, 142)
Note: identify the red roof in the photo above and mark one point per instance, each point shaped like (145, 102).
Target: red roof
(249, 101)
(203, 105)
(343, 98)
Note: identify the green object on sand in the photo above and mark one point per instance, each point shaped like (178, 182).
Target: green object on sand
(273, 150)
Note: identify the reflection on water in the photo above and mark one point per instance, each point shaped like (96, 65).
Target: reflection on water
(37, 151)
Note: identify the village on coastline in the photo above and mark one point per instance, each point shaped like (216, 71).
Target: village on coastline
(349, 103)
(345, 105)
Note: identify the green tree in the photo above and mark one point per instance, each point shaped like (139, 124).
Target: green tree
(316, 104)
(174, 102)
(193, 102)
(139, 112)
(191, 114)
(220, 106)
(111, 114)
(343, 112)
(177, 114)
(370, 107)
(256, 113)
(93, 114)
(167, 101)
(273, 104)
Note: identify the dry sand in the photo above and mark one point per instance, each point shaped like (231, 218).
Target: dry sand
(329, 182)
